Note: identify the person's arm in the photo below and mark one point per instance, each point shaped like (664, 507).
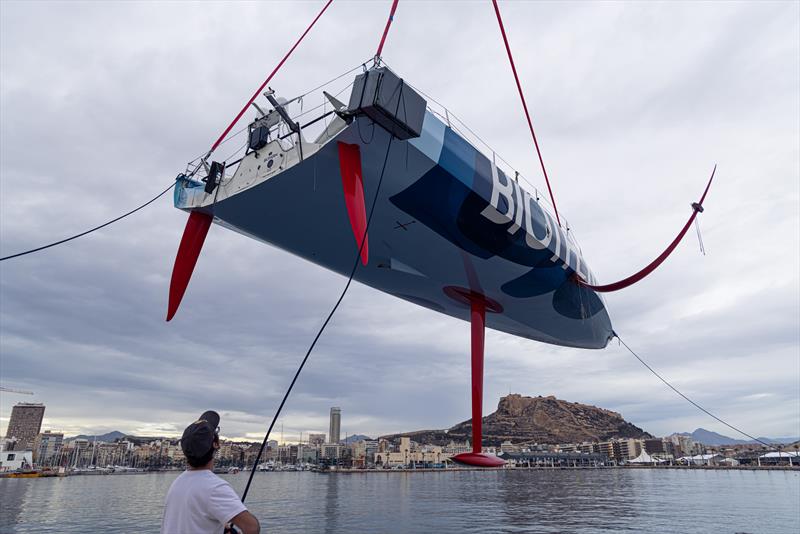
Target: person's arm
(246, 522)
(226, 507)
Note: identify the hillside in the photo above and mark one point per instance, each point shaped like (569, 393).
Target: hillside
(110, 437)
(540, 419)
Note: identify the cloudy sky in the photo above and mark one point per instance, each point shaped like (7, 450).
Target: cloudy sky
(102, 104)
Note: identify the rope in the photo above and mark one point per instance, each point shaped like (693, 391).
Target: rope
(325, 324)
(629, 281)
(261, 88)
(76, 236)
(693, 403)
(525, 107)
(386, 29)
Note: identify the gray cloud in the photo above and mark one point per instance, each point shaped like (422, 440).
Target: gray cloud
(102, 104)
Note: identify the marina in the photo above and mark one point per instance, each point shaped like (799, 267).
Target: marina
(370, 255)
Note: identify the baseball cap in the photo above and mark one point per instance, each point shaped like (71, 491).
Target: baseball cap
(198, 438)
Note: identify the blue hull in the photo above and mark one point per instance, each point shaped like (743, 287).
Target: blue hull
(445, 216)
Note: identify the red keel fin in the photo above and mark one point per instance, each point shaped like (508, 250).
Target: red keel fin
(477, 325)
(194, 235)
(353, 184)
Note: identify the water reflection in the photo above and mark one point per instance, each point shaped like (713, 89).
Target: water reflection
(537, 501)
(332, 503)
(13, 496)
(547, 500)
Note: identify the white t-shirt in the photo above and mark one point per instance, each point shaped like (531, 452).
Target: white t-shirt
(199, 502)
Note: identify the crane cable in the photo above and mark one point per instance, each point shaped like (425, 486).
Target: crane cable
(213, 147)
(76, 236)
(349, 278)
(525, 107)
(324, 324)
(686, 398)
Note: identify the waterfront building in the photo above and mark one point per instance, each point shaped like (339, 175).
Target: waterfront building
(606, 448)
(359, 453)
(332, 451)
(25, 424)
(175, 453)
(553, 459)
(250, 453)
(629, 448)
(780, 458)
(308, 454)
(230, 453)
(430, 457)
(15, 460)
(334, 429)
(685, 446)
(702, 459)
(315, 440)
(453, 448)
(410, 454)
(619, 450)
(287, 454)
(46, 447)
(507, 446)
(400, 456)
(655, 446)
(759, 457)
(370, 449)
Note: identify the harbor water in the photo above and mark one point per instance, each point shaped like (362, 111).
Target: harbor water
(546, 501)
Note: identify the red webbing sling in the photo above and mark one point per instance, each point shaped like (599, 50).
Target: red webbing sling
(386, 29)
(629, 281)
(271, 74)
(525, 107)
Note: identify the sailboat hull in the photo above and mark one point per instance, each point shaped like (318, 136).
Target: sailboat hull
(446, 221)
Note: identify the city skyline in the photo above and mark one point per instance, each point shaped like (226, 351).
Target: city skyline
(25, 445)
(309, 436)
(652, 97)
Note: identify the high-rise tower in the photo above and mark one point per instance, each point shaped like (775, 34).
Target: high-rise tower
(25, 424)
(334, 429)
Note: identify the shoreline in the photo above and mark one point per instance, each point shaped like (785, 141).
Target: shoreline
(564, 468)
(347, 471)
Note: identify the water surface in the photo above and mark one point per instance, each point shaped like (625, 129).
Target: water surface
(540, 501)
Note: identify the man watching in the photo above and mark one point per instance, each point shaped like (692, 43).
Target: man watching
(198, 501)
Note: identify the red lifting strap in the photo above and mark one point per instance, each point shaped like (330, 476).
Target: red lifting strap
(258, 91)
(525, 107)
(616, 286)
(386, 29)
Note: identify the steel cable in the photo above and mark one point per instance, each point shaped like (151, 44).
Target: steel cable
(76, 236)
(324, 324)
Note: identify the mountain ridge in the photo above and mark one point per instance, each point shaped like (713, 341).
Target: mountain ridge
(108, 437)
(709, 437)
